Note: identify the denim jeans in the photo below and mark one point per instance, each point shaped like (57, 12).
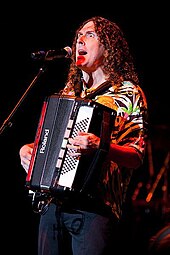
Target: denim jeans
(75, 232)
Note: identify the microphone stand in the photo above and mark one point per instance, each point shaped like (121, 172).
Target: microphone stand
(7, 122)
(162, 171)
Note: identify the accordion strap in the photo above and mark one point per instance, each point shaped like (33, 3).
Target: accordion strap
(104, 86)
(105, 133)
(106, 121)
(99, 157)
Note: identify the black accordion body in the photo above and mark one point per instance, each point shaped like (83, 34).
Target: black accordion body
(52, 170)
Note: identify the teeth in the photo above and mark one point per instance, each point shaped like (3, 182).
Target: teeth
(82, 52)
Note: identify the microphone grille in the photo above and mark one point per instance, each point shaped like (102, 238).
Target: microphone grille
(69, 51)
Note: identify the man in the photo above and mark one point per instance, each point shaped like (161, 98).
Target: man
(100, 56)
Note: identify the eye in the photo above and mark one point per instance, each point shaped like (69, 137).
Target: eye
(78, 35)
(91, 35)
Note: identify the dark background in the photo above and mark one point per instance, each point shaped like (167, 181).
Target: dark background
(27, 28)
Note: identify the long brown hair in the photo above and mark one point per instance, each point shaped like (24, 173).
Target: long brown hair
(118, 64)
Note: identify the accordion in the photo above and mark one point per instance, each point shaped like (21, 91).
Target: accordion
(51, 168)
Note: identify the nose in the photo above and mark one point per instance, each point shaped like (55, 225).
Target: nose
(81, 39)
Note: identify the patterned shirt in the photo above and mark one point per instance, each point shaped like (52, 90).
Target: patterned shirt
(130, 129)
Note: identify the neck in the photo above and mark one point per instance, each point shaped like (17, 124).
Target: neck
(93, 80)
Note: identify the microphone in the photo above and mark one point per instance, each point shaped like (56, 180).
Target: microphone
(49, 55)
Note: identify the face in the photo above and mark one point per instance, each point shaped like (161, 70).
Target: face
(89, 51)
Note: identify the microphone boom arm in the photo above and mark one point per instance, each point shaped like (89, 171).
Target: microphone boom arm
(7, 122)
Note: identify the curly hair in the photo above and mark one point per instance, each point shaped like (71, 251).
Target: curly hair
(118, 63)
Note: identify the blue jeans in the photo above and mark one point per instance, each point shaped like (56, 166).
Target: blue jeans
(75, 232)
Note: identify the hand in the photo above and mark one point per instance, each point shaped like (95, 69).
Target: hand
(83, 143)
(25, 155)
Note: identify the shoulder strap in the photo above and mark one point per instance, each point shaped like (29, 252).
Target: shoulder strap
(104, 86)
(93, 171)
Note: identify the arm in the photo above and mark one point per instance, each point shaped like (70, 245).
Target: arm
(122, 155)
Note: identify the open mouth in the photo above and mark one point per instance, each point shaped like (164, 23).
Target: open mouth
(82, 52)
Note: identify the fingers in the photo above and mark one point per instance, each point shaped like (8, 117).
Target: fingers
(25, 165)
(79, 140)
(74, 151)
(78, 149)
(25, 155)
(86, 141)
